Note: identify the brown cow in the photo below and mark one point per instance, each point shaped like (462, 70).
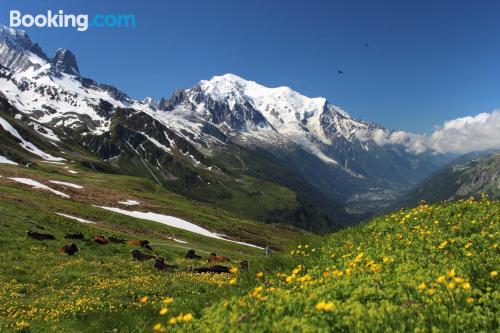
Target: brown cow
(39, 236)
(100, 239)
(142, 243)
(69, 249)
(214, 258)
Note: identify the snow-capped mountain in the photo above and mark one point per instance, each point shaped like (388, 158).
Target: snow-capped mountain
(268, 115)
(207, 134)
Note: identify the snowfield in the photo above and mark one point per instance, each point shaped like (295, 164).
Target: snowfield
(172, 222)
(78, 187)
(37, 185)
(5, 160)
(26, 144)
(129, 202)
(76, 218)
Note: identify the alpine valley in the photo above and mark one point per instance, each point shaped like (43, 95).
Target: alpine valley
(267, 154)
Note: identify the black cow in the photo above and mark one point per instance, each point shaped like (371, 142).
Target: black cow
(138, 255)
(217, 269)
(191, 254)
(69, 249)
(116, 240)
(161, 266)
(39, 236)
(76, 235)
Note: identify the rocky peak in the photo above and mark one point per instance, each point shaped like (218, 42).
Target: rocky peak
(65, 62)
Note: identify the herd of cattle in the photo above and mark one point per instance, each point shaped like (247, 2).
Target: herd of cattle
(159, 263)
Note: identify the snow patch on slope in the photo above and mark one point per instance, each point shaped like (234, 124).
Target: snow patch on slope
(37, 185)
(172, 222)
(5, 160)
(26, 144)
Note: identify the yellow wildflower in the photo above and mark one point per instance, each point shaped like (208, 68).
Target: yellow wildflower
(451, 273)
(157, 327)
(451, 285)
(324, 306)
(422, 286)
(233, 270)
(232, 281)
(441, 279)
(466, 285)
(494, 274)
(187, 317)
(469, 300)
(168, 300)
(172, 321)
(163, 311)
(259, 275)
(143, 299)
(431, 291)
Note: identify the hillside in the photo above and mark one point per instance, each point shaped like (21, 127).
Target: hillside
(51, 291)
(468, 176)
(432, 268)
(429, 269)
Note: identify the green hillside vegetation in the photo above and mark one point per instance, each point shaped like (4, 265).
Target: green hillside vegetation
(429, 269)
(100, 286)
(432, 268)
(464, 178)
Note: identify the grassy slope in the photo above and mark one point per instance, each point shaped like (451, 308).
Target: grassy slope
(424, 270)
(98, 289)
(369, 275)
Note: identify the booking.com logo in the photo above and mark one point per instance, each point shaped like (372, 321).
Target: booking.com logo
(61, 20)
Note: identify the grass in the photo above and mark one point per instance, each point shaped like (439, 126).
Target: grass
(99, 288)
(429, 269)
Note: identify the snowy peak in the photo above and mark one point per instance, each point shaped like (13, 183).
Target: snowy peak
(65, 62)
(18, 53)
(281, 109)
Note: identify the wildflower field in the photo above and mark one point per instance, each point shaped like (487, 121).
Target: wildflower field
(429, 269)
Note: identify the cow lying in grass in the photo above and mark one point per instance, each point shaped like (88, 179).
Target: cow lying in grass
(161, 266)
(191, 254)
(116, 240)
(76, 235)
(40, 236)
(214, 258)
(142, 243)
(138, 255)
(69, 249)
(100, 240)
(217, 269)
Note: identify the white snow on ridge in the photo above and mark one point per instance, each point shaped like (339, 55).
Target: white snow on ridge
(26, 144)
(129, 202)
(78, 187)
(37, 185)
(44, 131)
(172, 222)
(76, 218)
(5, 160)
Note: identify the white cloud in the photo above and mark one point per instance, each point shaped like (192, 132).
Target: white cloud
(462, 135)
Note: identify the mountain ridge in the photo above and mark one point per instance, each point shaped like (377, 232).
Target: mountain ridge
(223, 127)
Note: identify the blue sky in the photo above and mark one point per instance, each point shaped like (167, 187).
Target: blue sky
(427, 61)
